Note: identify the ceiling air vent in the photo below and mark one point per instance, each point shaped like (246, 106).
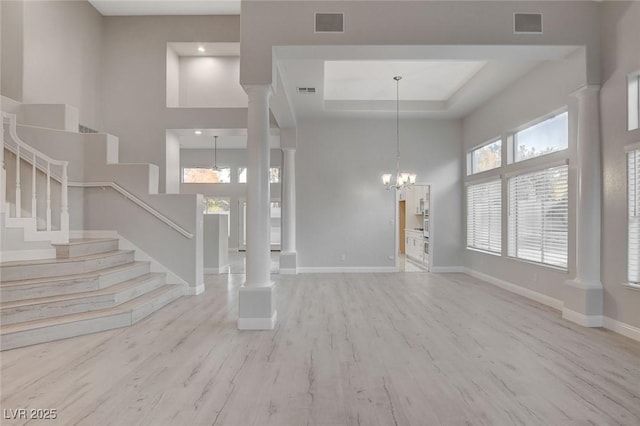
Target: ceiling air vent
(306, 90)
(329, 22)
(527, 23)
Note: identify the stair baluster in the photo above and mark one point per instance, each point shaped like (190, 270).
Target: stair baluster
(40, 163)
(34, 194)
(49, 197)
(18, 191)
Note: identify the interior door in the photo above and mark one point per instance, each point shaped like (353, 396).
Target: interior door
(275, 222)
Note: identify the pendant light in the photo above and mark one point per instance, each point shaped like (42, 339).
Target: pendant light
(215, 155)
(402, 179)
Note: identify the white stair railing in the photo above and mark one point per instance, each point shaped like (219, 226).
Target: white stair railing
(38, 161)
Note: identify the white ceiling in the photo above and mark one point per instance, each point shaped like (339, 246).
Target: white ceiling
(421, 80)
(166, 7)
(438, 81)
(179, 7)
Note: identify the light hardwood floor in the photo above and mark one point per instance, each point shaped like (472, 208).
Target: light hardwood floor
(349, 349)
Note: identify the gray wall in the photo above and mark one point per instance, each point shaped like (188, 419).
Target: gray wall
(272, 23)
(211, 82)
(63, 56)
(12, 42)
(135, 83)
(173, 78)
(516, 106)
(235, 191)
(621, 56)
(342, 207)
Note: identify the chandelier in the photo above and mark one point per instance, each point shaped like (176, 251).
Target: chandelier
(402, 179)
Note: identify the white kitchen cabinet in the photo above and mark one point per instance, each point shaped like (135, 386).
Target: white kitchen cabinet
(414, 245)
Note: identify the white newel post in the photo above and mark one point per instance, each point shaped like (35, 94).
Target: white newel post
(583, 295)
(257, 297)
(288, 256)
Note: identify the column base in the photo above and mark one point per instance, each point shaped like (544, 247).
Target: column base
(583, 302)
(288, 263)
(257, 308)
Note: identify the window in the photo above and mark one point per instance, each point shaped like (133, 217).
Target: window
(484, 216)
(633, 195)
(486, 157)
(205, 175)
(543, 138)
(538, 216)
(274, 175)
(634, 100)
(218, 205)
(214, 205)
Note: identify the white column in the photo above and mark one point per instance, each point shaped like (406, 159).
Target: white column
(288, 262)
(583, 294)
(256, 298)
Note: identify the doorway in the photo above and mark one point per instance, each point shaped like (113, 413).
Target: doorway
(414, 233)
(275, 221)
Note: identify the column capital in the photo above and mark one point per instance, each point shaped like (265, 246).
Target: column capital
(588, 89)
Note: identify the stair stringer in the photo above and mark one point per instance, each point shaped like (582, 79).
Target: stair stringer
(140, 255)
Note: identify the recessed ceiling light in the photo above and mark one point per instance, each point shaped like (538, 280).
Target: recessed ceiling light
(198, 132)
(200, 49)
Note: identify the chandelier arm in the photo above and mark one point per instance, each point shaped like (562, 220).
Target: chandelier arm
(397, 78)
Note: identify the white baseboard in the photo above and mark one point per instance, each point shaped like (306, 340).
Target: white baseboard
(514, 288)
(193, 291)
(619, 327)
(288, 271)
(622, 328)
(219, 270)
(447, 269)
(17, 255)
(258, 323)
(582, 319)
(346, 270)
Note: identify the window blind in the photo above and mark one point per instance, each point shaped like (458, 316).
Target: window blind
(538, 216)
(633, 249)
(484, 216)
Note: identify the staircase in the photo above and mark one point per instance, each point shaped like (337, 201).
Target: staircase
(90, 286)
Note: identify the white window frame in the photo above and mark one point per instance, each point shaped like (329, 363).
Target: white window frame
(182, 170)
(493, 234)
(633, 215)
(240, 169)
(633, 101)
(512, 236)
(512, 140)
(470, 162)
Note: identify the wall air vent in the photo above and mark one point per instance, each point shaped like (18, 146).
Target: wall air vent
(329, 23)
(306, 90)
(527, 23)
